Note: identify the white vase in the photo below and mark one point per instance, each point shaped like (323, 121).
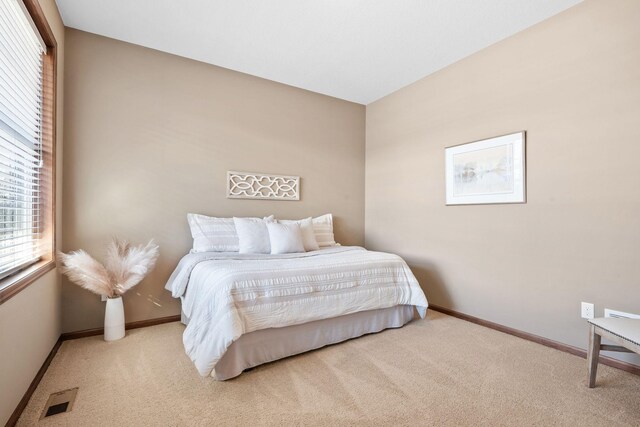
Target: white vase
(114, 319)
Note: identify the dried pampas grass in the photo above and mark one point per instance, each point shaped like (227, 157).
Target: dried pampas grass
(124, 268)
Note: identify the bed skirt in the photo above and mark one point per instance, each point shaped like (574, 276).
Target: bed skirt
(267, 345)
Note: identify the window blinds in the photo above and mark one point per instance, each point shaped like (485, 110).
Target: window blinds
(21, 67)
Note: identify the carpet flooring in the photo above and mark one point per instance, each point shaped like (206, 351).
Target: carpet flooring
(440, 371)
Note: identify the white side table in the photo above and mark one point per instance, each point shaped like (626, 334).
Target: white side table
(625, 332)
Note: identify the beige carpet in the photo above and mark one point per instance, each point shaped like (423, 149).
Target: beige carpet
(438, 371)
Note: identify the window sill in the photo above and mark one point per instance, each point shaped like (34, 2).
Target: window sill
(12, 285)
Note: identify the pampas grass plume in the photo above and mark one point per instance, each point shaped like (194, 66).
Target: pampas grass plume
(125, 267)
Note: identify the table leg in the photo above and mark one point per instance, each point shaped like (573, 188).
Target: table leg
(593, 355)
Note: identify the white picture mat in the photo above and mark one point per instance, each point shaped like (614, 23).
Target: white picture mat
(488, 149)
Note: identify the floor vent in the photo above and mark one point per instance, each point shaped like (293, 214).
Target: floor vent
(60, 402)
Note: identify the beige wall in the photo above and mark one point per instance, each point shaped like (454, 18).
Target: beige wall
(151, 137)
(30, 321)
(573, 83)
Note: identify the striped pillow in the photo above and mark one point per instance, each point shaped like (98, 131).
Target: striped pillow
(323, 229)
(212, 234)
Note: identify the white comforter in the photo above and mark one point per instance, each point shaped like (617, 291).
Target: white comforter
(226, 295)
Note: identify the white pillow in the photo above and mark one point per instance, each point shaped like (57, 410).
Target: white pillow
(306, 229)
(212, 234)
(253, 236)
(323, 229)
(285, 238)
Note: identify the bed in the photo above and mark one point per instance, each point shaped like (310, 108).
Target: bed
(243, 310)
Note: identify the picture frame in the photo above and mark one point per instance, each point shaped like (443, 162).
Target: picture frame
(488, 171)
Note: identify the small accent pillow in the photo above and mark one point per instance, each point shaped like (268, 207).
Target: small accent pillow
(306, 229)
(323, 229)
(285, 238)
(253, 236)
(212, 234)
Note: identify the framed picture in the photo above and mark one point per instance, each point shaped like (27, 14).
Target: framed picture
(487, 171)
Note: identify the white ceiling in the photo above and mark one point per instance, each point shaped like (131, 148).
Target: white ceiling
(358, 50)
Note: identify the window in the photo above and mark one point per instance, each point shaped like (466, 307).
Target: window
(27, 79)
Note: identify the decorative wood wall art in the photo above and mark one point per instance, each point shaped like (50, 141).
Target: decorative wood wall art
(262, 186)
